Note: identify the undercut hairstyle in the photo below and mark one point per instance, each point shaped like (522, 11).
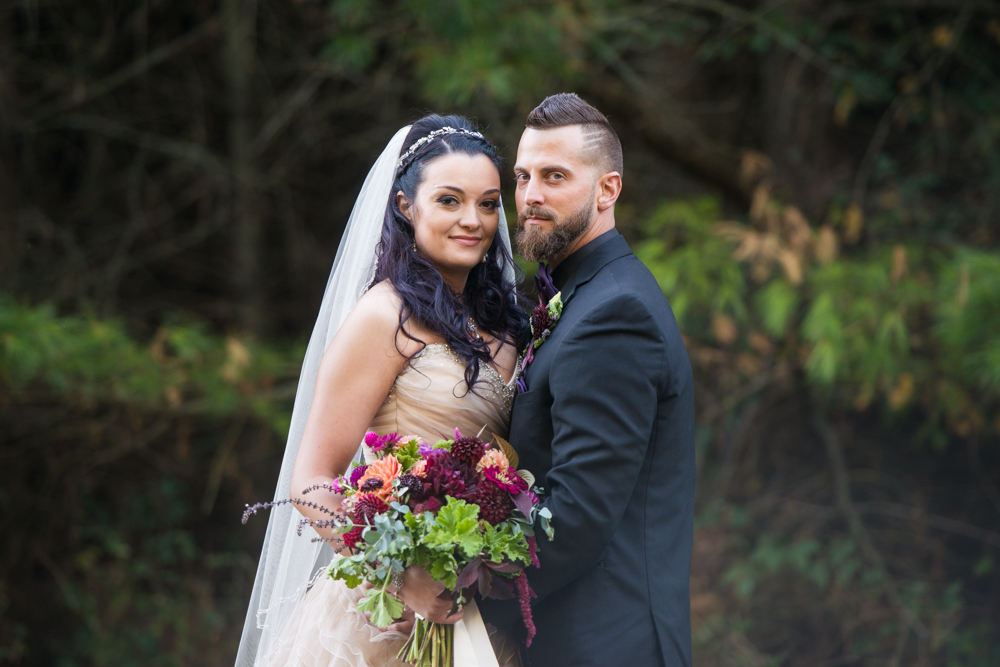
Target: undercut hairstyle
(600, 141)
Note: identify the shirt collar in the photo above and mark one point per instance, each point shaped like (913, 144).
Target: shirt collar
(568, 266)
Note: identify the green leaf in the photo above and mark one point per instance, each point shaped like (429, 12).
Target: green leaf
(408, 455)
(457, 525)
(777, 303)
(444, 568)
(384, 608)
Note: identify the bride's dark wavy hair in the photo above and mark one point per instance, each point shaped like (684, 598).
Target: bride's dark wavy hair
(488, 299)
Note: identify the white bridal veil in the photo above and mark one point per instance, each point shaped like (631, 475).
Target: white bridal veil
(289, 562)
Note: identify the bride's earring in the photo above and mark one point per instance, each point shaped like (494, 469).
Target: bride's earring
(483, 260)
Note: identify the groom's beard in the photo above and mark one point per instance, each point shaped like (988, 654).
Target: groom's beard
(538, 245)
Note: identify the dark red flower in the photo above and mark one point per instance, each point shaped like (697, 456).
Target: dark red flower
(444, 475)
(494, 503)
(352, 537)
(468, 450)
(366, 507)
(540, 320)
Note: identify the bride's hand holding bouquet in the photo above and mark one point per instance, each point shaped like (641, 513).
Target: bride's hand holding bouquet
(459, 510)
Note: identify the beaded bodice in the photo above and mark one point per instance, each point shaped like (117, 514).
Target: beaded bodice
(430, 399)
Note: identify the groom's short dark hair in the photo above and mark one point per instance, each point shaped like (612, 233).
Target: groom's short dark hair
(601, 142)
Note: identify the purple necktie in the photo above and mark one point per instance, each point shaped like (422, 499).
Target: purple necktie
(543, 281)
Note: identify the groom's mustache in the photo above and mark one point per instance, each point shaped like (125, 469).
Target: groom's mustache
(534, 212)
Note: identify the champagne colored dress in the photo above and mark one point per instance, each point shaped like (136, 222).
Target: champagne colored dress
(429, 399)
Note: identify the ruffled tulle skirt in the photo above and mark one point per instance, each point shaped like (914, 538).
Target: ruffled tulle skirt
(327, 630)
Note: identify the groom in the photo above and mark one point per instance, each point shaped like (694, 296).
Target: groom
(607, 419)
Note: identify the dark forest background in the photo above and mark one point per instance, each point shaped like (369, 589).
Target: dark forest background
(815, 184)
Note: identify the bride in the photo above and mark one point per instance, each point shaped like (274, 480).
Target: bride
(418, 334)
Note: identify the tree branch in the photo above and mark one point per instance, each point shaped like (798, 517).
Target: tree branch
(129, 72)
(842, 491)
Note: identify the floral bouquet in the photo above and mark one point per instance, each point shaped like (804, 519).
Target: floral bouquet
(460, 508)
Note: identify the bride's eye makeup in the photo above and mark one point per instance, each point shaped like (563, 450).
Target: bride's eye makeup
(490, 205)
(447, 200)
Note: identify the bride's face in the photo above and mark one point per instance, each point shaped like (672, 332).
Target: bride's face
(455, 213)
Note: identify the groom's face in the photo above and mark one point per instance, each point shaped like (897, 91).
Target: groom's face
(555, 194)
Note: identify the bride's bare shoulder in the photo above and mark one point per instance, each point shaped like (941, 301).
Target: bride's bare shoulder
(376, 313)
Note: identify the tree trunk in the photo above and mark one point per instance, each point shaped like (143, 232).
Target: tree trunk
(238, 22)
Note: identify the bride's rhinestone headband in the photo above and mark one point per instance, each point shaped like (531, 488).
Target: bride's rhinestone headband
(430, 137)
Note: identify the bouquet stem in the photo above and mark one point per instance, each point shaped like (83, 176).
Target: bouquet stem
(429, 645)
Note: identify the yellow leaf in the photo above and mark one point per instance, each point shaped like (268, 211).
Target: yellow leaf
(942, 36)
(761, 343)
(797, 230)
(237, 353)
(754, 166)
(854, 222)
(792, 265)
(898, 264)
(724, 328)
(826, 245)
(758, 204)
(173, 396)
(864, 398)
(845, 104)
(993, 28)
(508, 451)
(902, 392)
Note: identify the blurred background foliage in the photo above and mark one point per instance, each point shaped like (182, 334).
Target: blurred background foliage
(815, 185)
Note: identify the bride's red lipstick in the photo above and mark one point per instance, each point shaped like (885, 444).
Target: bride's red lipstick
(466, 240)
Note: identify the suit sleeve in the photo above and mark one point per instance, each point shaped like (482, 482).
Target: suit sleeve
(604, 387)
(603, 381)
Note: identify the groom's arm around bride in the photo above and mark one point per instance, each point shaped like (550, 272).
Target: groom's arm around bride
(607, 418)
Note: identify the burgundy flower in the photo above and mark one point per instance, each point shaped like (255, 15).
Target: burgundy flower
(444, 475)
(494, 502)
(540, 319)
(352, 537)
(367, 506)
(468, 450)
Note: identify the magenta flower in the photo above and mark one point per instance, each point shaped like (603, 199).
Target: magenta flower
(378, 442)
(507, 480)
(357, 474)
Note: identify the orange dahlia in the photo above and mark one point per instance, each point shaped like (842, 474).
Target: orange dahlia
(386, 469)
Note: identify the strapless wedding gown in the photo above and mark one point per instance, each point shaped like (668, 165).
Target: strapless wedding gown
(428, 399)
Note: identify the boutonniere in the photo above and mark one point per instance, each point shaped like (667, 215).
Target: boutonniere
(543, 319)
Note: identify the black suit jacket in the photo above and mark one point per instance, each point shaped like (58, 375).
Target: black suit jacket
(607, 426)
